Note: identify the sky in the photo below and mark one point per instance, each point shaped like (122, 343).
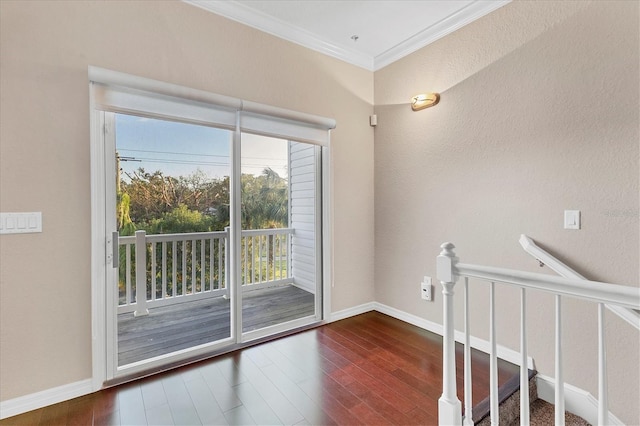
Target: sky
(180, 149)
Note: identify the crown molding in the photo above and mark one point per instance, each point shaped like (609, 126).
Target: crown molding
(438, 30)
(245, 15)
(276, 27)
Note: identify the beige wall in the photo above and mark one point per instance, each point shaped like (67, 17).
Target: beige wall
(46, 46)
(539, 113)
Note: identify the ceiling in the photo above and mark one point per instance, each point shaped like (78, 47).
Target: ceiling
(368, 33)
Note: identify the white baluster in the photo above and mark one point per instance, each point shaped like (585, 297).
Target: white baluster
(212, 261)
(449, 408)
(194, 270)
(468, 400)
(273, 242)
(141, 274)
(603, 402)
(221, 268)
(253, 259)
(152, 277)
(493, 358)
(184, 267)
(164, 269)
(559, 396)
(128, 278)
(524, 362)
(174, 268)
(289, 263)
(260, 259)
(246, 257)
(203, 265)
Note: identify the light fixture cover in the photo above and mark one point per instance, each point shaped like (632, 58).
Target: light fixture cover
(424, 100)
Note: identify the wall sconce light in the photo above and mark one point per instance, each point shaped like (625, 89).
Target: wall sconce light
(424, 100)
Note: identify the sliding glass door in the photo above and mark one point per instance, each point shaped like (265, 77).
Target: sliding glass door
(207, 221)
(180, 283)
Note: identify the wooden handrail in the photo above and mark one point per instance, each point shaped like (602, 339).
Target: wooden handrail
(594, 291)
(630, 315)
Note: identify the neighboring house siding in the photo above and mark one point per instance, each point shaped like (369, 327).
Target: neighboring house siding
(302, 213)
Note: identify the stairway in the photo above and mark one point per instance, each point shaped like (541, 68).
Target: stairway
(541, 414)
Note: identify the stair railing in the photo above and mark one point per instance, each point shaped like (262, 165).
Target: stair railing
(449, 270)
(631, 316)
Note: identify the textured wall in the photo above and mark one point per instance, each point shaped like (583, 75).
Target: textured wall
(539, 113)
(46, 46)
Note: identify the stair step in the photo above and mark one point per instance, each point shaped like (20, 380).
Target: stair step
(509, 400)
(541, 412)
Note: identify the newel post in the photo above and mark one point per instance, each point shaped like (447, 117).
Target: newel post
(449, 407)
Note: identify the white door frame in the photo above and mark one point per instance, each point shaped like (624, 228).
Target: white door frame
(101, 247)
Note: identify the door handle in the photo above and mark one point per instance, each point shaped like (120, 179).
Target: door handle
(115, 247)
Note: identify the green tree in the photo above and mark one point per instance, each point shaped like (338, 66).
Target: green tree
(265, 201)
(151, 196)
(181, 220)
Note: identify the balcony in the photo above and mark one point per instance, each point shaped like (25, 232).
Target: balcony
(185, 280)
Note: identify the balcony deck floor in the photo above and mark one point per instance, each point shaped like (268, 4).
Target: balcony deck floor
(171, 328)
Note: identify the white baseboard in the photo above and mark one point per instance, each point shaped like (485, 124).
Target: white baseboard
(351, 312)
(576, 400)
(13, 407)
(482, 345)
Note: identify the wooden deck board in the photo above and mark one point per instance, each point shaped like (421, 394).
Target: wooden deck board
(171, 328)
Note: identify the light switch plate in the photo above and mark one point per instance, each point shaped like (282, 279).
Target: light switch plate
(20, 223)
(572, 219)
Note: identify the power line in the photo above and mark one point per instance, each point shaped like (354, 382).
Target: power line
(198, 163)
(173, 153)
(199, 155)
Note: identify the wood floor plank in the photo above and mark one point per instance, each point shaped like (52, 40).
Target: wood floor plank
(229, 370)
(153, 394)
(283, 363)
(55, 414)
(204, 402)
(370, 369)
(329, 403)
(380, 389)
(368, 415)
(255, 404)
(222, 391)
(239, 416)
(160, 415)
(81, 411)
(382, 407)
(131, 405)
(285, 411)
(312, 412)
(182, 408)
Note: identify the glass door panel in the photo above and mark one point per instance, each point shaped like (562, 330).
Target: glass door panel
(172, 214)
(280, 253)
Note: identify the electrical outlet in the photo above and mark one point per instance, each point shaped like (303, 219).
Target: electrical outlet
(425, 288)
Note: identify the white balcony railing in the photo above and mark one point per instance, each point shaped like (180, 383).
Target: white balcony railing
(176, 268)
(450, 270)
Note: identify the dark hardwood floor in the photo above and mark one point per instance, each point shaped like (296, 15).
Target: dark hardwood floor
(171, 328)
(370, 369)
